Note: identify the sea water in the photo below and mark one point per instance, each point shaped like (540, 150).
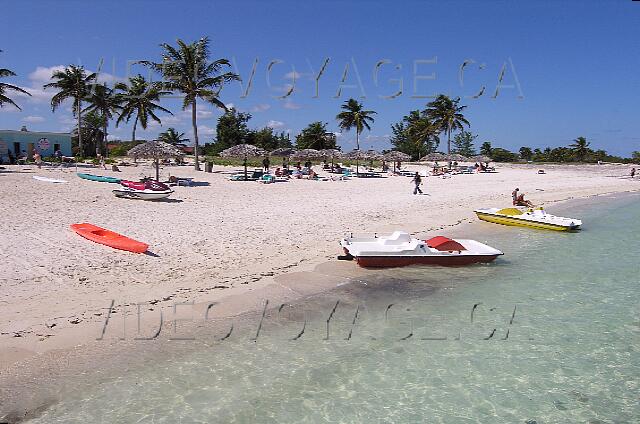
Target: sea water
(549, 333)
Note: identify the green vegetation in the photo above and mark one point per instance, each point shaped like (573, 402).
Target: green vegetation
(463, 142)
(187, 69)
(122, 148)
(104, 102)
(446, 113)
(315, 136)
(92, 132)
(577, 152)
(72, 83)
(353, 116)
(416, 135)
(233, 129)
(172, 136)
(138, 97)
(4, 87)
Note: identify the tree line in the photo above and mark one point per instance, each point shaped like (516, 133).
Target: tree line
(187, 69)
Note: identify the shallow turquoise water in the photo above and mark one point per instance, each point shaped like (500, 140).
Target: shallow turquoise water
(572, 354)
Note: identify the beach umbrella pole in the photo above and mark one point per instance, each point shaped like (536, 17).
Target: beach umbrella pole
(157, 169)
(245, 168)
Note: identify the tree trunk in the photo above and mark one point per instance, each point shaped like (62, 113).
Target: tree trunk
(105, 151)
(80, 147)
(195, 134)
(135, 124)
(448, 141)
(358, 149)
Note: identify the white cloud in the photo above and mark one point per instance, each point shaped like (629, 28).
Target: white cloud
(168, 120)
(202, 112)
(261, 107)
(205, 130)
(275, 124)
(292, 75)
(291, 105)
(228, 105)
(67, 120)
(38, 94)
(32, 119)
(42, 75)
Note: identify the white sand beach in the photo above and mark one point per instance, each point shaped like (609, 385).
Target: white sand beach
(219, 240)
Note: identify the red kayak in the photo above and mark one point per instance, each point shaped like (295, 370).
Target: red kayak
(109, 238)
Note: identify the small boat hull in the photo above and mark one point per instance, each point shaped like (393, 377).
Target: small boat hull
(400, 261)
(518, 222)
(142, 194)
(109, 238)
(49, 180)
(99, 178)
(400, 249)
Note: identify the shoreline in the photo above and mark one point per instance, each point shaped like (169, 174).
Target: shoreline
(280, 283)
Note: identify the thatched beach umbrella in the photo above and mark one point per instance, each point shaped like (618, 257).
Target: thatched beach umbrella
(396, 156)
(434, 157)
(456, 157)
(244, 151)
(331, 153)
(155, 150)
(359, 155)
(307, 154)
(285, 153)
(481, 158)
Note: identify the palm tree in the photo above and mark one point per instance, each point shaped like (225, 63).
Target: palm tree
(106, 102)
(72, 83)
(446, 113)
(172, 136)
(188, 70)
(4, 87)
(580, 148)
(93, 124)
(138, 98)
(423, 131)
(352, 116)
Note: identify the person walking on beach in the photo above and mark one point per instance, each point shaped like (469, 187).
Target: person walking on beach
(38, 159)
(266, 163)
(417, 180)
(633, 172)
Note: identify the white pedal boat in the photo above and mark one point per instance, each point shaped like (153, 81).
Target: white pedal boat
(532, 218)
(400, 249)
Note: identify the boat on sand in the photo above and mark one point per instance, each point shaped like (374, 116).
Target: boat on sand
(109, 238)
(532, 218)
(49, 180)
(148, 190)
(99, 178)
(400, 249)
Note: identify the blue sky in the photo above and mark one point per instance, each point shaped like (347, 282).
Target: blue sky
(571, 68)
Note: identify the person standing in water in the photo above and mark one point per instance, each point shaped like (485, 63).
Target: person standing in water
(417, 180)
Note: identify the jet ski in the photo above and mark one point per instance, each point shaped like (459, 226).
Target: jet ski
(146, 190)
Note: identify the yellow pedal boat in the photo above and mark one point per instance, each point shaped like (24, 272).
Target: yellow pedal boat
(531, 218)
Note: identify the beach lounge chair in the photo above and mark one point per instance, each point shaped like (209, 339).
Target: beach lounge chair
(253, 176)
